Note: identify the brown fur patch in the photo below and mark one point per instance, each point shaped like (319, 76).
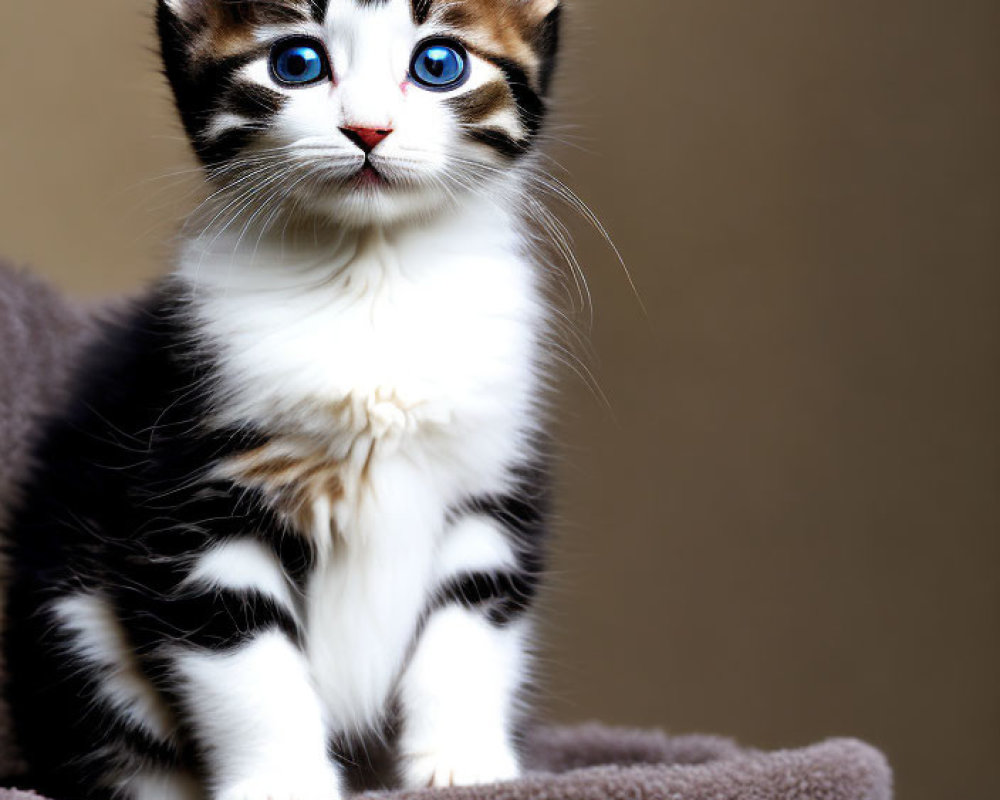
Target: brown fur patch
(292, 475)
(226, 30)
(481, 104)
(498, 27)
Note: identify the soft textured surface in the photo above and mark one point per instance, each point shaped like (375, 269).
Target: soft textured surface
(41, 335)
(682, 768)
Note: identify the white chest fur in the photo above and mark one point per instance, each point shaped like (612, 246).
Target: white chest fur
(401, 366)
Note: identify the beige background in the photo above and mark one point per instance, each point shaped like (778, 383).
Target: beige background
(786, 524)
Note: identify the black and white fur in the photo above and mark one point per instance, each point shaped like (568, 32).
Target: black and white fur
(286, 539)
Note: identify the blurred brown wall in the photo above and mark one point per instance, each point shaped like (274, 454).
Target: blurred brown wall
(785, 524)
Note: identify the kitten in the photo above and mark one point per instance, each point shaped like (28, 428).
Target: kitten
(287, 540)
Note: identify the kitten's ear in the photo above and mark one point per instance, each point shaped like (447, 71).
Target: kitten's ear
(183, 10)
(540, 9)
(192, 12)
(186, 11)
(545, 16)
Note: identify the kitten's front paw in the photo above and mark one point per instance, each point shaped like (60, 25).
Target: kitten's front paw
(324, 786)
(465, 765)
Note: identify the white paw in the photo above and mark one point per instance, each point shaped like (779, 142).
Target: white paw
(291, 786)
(461, 766)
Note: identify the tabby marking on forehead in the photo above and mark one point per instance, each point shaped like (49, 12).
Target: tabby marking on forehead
(421, 10)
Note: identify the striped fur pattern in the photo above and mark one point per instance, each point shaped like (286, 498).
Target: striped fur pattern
(286, 541)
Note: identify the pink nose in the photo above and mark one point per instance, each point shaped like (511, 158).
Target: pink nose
(366, 138)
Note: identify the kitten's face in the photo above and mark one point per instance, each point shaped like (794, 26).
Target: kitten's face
(365, 111)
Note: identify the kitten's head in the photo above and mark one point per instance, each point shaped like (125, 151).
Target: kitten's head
(366, 111)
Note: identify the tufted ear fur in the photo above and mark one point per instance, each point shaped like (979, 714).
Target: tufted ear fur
(546, 15)
(186, 11)
(540, 9)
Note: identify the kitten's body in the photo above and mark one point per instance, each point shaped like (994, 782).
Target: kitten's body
(411, 443)
(295, 514)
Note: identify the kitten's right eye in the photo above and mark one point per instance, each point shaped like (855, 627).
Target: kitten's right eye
(298, 62)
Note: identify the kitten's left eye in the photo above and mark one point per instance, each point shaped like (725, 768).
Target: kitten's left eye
(298, 62)
(439, 65)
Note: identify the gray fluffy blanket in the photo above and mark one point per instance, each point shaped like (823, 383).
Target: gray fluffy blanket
(41, 334)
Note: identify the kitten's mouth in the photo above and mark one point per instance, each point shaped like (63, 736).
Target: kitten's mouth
(369, 175)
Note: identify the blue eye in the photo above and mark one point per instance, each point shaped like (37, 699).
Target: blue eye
(439, 65)
(298, 62)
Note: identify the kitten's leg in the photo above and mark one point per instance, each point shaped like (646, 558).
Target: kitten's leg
(458, 692)
(258, 721)
(457, 701)
(225, 645)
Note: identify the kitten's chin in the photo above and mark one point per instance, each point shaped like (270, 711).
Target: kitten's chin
(371, 201)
